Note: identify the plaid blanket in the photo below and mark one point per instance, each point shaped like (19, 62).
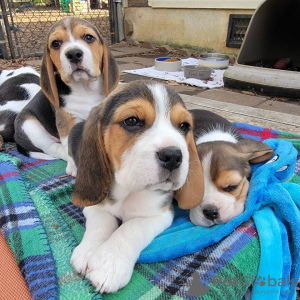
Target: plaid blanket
(42, 227)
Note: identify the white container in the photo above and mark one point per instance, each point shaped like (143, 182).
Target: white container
(214, 60)
(162, 64)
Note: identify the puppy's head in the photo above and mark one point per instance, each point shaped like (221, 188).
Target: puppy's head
(142, 137)
(76, 51)
(226, 170)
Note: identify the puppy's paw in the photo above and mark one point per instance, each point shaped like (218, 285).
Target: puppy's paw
(80, 257)
(108, 270)
(71, 168)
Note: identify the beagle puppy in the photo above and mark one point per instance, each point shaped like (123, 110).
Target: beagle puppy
(17, 89)
(78, 72)
(225, 157)
(136, 149)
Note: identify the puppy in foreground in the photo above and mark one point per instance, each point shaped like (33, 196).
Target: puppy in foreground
(225, 157)
(78, 72)
(136, 150)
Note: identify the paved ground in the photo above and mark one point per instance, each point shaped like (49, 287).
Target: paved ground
(281, 114)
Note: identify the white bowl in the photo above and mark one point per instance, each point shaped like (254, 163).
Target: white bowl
(214, 60)
(162, 64)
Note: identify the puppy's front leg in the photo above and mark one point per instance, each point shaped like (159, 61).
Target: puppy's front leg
(111, 266)
(64, 123)
(99, 227)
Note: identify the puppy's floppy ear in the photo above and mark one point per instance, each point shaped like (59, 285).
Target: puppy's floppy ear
(254, 151)
(48, 83)
(93, 180)
(191, 194)
(110, 69)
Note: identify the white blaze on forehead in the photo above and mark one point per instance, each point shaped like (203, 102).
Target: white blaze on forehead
(206, 166)
(161, 102)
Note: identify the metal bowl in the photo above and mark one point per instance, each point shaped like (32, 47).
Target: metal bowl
(214, 60)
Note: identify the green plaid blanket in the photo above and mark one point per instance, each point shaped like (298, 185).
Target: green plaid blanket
(43, 227)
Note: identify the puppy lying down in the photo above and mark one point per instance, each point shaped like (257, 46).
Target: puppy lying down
(225, 157)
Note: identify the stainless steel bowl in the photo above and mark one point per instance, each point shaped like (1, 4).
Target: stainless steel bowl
(214, 60)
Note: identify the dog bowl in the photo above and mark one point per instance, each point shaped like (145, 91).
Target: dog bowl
(196, 71)
(214, 60)
(168, 64)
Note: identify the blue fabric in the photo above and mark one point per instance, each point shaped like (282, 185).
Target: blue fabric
(274, 206)
(277, 219)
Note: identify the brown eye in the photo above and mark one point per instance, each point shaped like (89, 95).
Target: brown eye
(88, 38)
(132, 121)
(133, 124)
(184, 127)
(56, 44)
(230, 188)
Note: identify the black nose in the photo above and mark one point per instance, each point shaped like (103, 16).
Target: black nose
(75, 55)
(211, 212)
(170, 158)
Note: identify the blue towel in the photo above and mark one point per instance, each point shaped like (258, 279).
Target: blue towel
(274, 206)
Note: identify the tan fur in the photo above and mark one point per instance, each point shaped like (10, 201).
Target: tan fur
(122, 140)
(48, 83)
(64, 122)
(227, 178)
(244, 191)
(140, 108)
(191, 194)
(179, 115)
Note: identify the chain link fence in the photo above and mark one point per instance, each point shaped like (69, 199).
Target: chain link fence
(26, 23)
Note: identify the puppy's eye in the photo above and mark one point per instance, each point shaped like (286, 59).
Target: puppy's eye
(230, 188)
(56, 44)
(88, 38)
(132, 121)
(184, 127)
(133, 124)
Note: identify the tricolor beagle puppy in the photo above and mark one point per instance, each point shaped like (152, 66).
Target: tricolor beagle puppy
(17, 89)
(225, 157)
(137, 148)
(78, 72)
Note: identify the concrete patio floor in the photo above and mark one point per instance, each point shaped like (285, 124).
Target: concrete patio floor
(232, 104)
(280, 114)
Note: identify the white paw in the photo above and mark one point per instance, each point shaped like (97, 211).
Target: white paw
(71, 168)
(80, 257)
(108, 270)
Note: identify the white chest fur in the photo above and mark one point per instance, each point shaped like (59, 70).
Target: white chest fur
(83, 97)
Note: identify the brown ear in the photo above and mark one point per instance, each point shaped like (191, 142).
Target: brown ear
(48, 83)
(110, 70)
(191, 194)
(93, 180)
(254, 151)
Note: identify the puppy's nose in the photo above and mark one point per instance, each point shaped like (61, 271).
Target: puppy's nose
(211, 212)
(75, 55)
(170, 158)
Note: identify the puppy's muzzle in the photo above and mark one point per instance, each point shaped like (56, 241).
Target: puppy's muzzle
(170, 158)
(211, 212)
(74, 56)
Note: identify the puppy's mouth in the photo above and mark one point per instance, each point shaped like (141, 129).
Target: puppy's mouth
(165, 183)
(80, 73)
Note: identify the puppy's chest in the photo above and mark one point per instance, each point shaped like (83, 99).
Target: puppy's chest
(126, 205)
(80, 103)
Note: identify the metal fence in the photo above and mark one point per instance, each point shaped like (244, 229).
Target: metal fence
(26, 23)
